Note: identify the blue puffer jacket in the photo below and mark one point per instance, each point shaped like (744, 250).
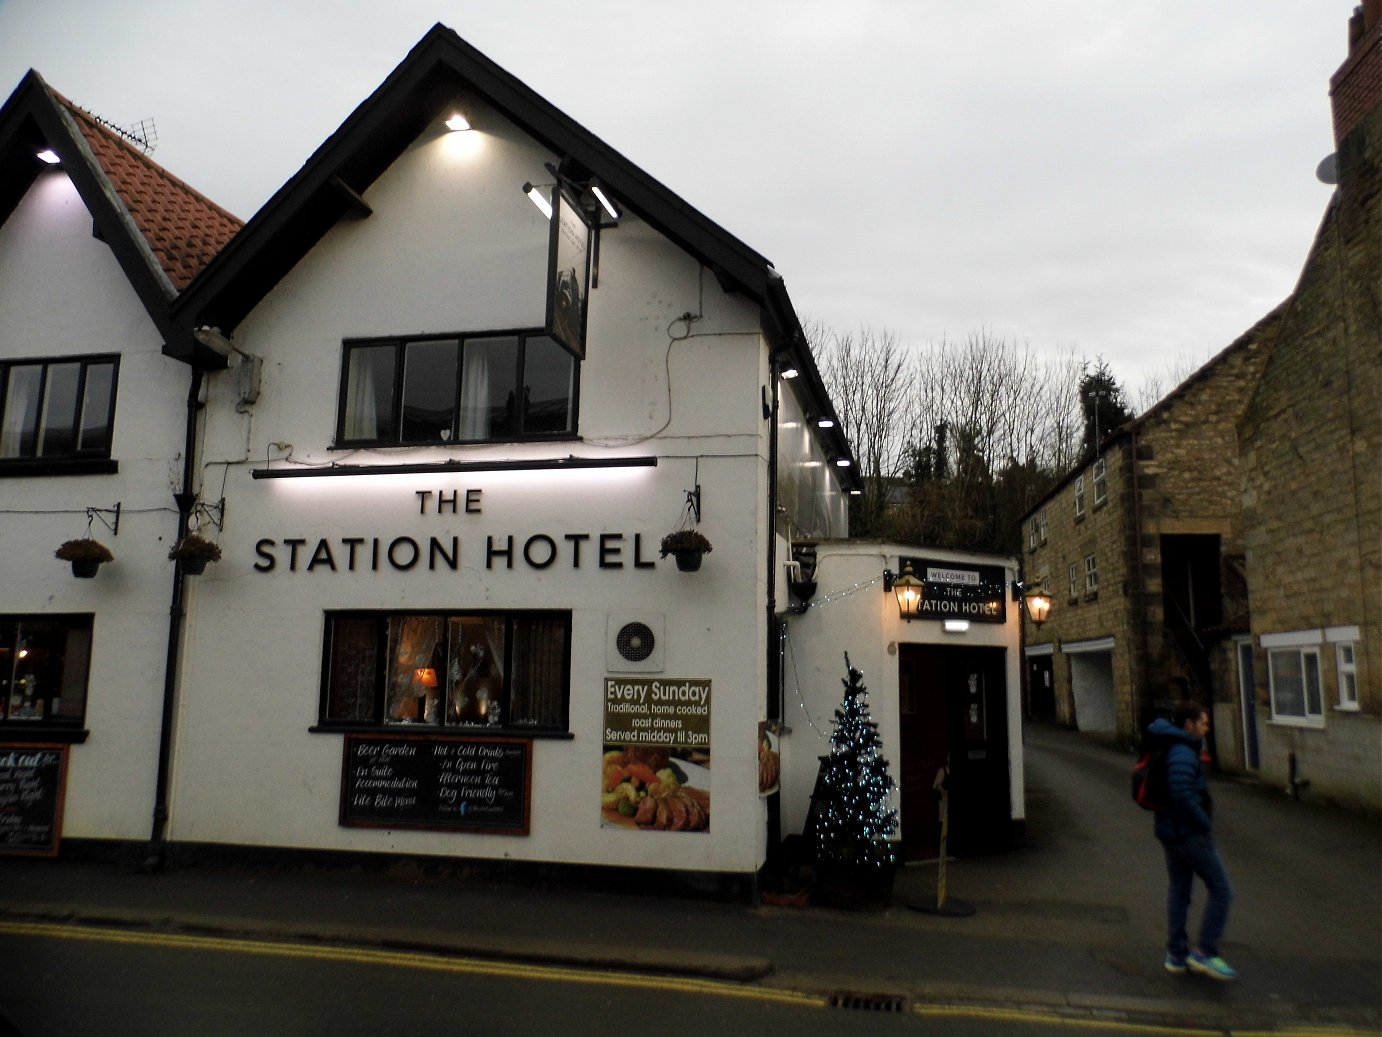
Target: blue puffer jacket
(1186, 783)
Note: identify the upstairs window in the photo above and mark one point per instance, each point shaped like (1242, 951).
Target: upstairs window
(1074, 580)
(1079, 496)
(54, 410)
(1091, 574)
(1100, 481)
(1041, 524)
(456, 389)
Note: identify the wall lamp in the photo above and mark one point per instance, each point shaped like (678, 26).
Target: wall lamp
(908, 590)
(456, 122)
(50, 156)
(535, 196)
(1038, 602)
(604, 199)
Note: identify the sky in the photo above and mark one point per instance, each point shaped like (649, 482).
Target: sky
(1131, 180)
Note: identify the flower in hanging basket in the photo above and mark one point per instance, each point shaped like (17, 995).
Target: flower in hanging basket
(85, 555)
(84, 550)
(194, 552)
(685, 540)
(687, 546)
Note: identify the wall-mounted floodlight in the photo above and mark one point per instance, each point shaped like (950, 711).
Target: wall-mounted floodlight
(539, 199)
(825, 423)
(603, 199)
(50, 156)
(790, 372)
(843, 462)
(456, 122)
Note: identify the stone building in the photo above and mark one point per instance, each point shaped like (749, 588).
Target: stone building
(1225, 546)
(1311, 456)
(1141, 549)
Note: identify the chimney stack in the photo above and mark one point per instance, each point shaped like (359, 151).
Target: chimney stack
(1356, 88)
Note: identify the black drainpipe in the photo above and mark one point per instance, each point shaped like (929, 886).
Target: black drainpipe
(773, 862)
(154, 858)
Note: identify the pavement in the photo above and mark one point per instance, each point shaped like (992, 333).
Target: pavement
(1066, 928)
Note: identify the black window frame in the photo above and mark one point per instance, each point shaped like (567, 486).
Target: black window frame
(399, 344)
(377, 722)
(53, 677)
(76, 460)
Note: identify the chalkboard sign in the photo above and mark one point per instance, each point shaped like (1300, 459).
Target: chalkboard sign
(33, 784)
(475, 784)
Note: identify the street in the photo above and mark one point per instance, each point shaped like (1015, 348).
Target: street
(1067, 933)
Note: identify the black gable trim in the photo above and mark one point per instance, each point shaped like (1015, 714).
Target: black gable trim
(33, 118)
(439, 67)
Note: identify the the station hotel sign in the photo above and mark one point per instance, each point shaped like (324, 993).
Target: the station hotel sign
(957, 591)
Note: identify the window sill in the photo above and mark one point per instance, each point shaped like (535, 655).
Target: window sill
(433, 731)
(35, 467)
(1306, 723)
(1348, 707)
(29, 732)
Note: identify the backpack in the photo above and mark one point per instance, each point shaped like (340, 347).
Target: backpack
(1149, 781)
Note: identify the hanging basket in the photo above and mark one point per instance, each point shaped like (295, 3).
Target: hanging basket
(687, 546)
(192, 552)
(86, 556)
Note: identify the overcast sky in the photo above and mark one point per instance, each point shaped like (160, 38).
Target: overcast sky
(1132, 179)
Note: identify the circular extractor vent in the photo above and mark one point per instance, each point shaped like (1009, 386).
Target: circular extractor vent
(635, 641)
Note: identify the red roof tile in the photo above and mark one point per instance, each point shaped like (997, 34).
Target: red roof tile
(184, 229)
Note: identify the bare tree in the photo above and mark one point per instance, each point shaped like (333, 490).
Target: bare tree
(869, 380)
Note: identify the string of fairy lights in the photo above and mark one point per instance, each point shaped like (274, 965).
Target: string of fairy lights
(785, 645)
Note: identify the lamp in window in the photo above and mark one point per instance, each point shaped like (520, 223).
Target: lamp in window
(425, 680)
(908, 590)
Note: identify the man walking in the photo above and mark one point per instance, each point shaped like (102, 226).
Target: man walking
(1185, 829)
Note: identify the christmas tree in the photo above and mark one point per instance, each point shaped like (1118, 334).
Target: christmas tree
(851, 817)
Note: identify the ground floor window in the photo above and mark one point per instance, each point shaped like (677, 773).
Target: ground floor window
(447, 669)
(1348, 675)
(1294, 676)
(44, 662)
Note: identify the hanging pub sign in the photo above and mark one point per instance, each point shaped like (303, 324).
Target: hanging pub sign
(568, 274)
(955, 590)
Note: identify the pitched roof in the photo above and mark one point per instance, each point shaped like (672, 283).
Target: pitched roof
(160, 230)
(183, 227)
(439, 67)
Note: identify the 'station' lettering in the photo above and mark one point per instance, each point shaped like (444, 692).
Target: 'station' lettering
(404, 553)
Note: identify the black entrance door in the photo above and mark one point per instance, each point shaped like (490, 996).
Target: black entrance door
(953, 713)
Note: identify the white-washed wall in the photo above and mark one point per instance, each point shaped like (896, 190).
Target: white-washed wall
(453, 245)
(62, 293)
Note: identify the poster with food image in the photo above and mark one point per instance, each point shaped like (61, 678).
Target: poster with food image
(655, 770)
(769, 758)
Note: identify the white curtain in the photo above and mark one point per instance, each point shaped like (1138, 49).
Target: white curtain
(21, 404)
(475, 423)
(362, 408)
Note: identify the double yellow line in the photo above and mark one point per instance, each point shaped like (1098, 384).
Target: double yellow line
(612, 978)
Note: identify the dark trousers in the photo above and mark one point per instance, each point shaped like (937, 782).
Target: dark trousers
(1186, 858)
